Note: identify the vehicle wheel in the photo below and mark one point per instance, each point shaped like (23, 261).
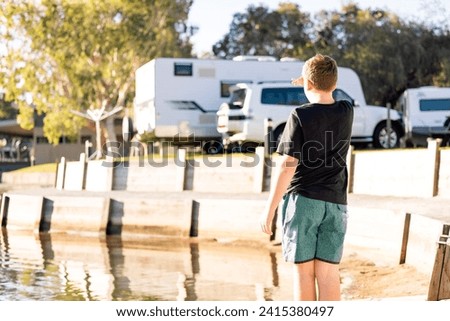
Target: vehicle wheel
(381, 138)
(212, 147)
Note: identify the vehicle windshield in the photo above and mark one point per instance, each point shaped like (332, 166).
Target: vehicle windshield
(237, 98)
(294, 96)
(339, 94)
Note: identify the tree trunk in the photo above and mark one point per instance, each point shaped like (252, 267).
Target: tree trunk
(112, 141)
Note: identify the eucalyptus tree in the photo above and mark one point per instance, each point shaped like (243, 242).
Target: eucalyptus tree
(7, 110)
(363, 40)
(389, 54)
(59, 56)
(260, 31)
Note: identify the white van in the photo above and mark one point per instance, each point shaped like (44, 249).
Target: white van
(426, 113)
(241, 120)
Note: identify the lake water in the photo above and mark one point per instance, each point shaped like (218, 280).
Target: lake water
(54, 267)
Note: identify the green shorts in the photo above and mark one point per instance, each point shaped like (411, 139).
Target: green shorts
(312, 229)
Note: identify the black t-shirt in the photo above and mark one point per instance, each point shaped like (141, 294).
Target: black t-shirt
(319, 137)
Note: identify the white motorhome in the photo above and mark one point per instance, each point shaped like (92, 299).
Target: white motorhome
(177, 98)
(426, 114)
(242, 120)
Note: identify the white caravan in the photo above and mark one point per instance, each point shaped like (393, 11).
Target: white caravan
(426, 114)
(242, 120)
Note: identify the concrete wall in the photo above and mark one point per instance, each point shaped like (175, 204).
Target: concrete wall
(377, 231)
(223, 219)
(22, 211)
(99, 178)
(86, 214)
(26, 178)
(165, 216)
(74, 179)
(55, 213)
(229, 174)
(397, 172)
(380, 232)
(424, 234)
(136, 176)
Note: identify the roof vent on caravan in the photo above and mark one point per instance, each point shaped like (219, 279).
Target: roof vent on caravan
(254, 58)
(289, 59)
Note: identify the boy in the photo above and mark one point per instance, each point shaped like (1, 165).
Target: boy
(311, 178)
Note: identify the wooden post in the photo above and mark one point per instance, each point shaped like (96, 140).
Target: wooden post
(444, 288)
(350, 168)
(60, 174)
(195, 210)
(269, 144)
(436, 275)
(83, 165)
(258, 176)
(55, 184)
(434, 163)
(181, 168)
(4, 209)
(405, 238)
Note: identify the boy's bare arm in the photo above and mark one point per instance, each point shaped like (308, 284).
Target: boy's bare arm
(284, 172)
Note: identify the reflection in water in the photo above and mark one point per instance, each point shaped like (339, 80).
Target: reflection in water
(189, 280)
(121, 283)
(47, 250)
(72, 267)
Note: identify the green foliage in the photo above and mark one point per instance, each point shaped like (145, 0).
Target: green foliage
(41, 168)
(79, 55)
(262, 32)
(7, 111)
(147, 137)
(25, 118)
(388, 53)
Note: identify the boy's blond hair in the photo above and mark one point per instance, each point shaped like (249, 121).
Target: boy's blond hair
(321, 71)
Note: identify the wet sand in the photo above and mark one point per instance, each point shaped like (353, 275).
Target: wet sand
(366, 274)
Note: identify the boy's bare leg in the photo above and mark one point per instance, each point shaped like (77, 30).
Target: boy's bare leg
(328, 280)
(304, 282)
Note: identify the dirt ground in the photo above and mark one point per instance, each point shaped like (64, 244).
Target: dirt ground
(373, 279)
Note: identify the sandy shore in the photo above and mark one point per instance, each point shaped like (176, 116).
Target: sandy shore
(367, 276)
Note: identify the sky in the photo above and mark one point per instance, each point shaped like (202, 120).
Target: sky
(213, 17)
